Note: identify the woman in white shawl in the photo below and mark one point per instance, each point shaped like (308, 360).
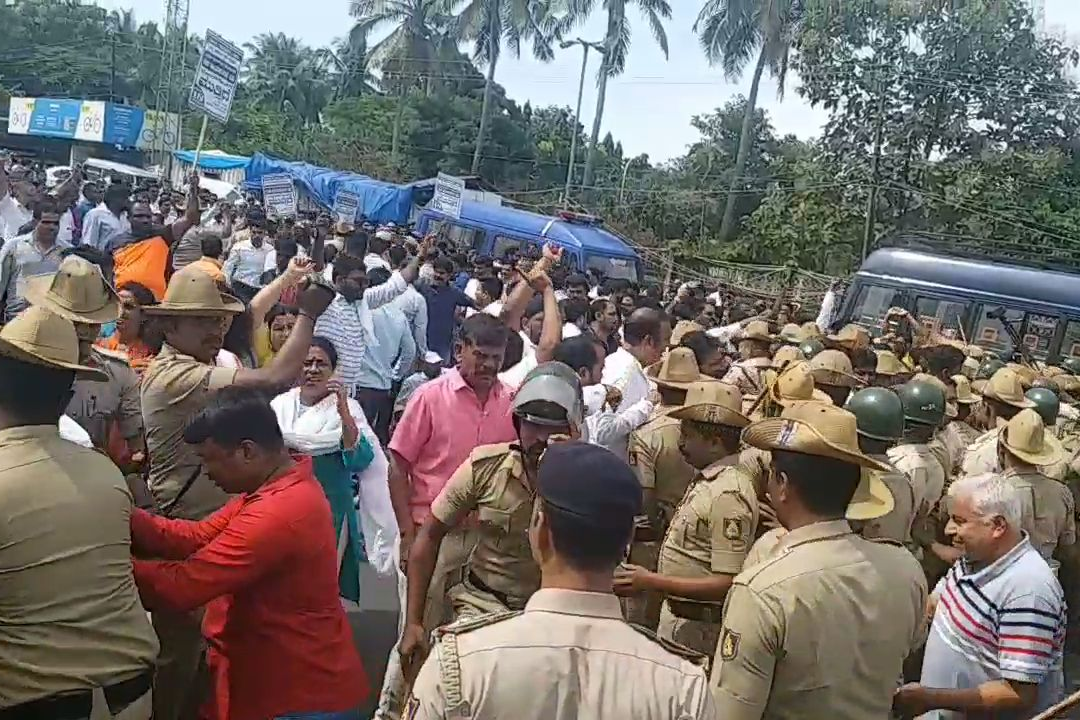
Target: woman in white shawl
(319, 419)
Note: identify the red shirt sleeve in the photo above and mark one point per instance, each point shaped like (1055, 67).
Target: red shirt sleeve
(414, 429)
(173, 539)
(253, 541)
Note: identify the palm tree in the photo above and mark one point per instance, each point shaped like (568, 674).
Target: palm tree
(487, 23)
(283, 73)
(616, 48)
(731, 32)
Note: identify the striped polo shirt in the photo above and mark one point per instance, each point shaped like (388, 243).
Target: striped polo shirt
(1005, 621)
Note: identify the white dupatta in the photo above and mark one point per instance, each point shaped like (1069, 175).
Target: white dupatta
(312, 430)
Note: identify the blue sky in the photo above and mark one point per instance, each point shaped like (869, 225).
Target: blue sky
(648, 108)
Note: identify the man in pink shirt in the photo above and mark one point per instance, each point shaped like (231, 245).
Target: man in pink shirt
(445, 420)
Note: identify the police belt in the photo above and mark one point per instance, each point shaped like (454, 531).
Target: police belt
(689, 610)
(77, 704)
(482, 586)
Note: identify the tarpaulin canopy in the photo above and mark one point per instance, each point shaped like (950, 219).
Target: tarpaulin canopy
(379, 201)
(212, 159)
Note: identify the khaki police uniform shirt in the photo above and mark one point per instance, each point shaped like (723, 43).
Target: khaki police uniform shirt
(982, 456)
(763, 547)
(896, 525)
(70, 615)
(714, 526)
(1047, 510)
(175, 387)
(925, 472)
(746, 375)
(97, 404)
(660, 465)
(492, 482)
(819, 629)
(569, 655)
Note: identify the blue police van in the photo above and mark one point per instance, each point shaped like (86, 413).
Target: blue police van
(970, 298)
(494, 229)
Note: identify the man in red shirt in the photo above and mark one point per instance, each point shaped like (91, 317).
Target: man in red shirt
(266, 567)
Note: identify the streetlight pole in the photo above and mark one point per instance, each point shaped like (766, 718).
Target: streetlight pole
(585, 45)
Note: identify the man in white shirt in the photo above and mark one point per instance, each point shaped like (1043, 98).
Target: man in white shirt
(377, 247)
(247, 261)
(15, 197)
(646, 334)
(105, 226)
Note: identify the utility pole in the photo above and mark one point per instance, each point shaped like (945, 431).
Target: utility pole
(871, 200)
(585, 45)
(112, 69)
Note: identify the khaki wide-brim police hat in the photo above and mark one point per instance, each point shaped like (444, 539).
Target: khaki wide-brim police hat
(814, 428)
(1025, 437)
(851, 336)
(192, 292)
(796, 384)
(677, 369)
(755, 330)
(872, 498)
(77, 291)
(833, 367)
(682, 329)
(964, 394)
(889, 365)
(715, 403)
(786, 355)
(1005, 386)
(39, 337)
(792, 333)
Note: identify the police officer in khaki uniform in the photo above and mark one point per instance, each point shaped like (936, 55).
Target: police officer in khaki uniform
(79, 292)
(662, 470)
(833, 375)
(569, 654)
(497, 483)
(194, 317)
(75, 639)
(1003, 397)
(820, 628)
(924, 410)
(879, 417)
(754, 342)
(966, 400)
(712, 528)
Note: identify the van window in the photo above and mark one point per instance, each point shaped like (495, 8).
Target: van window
(618, 268)
(939, 314)
(1070, 343)
(460, 235)
(991, 334)
(1039, 333)
(503, 243)
(871, 305)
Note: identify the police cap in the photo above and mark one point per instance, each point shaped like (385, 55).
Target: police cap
(589, 482)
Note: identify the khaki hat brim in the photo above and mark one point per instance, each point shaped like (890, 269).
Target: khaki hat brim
(767, 435)
(1052, 453)
(37, 293)
(229, 306)
(836, 378)
(652, 372)
(701, 411)
(1023, 404)
(816, 396)
(755, 336)
(975, 399)
(17, 352)
(872, 499)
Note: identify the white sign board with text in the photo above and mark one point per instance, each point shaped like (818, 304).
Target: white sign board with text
(346, 206)
(448, 193)
(279, 195)
(216, 77)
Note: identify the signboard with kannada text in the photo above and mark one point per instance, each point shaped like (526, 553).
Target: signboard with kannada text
(279, 195)
(346, 205)
(448, 193)
(216, 77)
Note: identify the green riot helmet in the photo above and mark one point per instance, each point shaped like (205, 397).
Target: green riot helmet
(1047, 404)
(1070, 365)
(924, 402)
(878, 412)
(988, 368)
(811, 347)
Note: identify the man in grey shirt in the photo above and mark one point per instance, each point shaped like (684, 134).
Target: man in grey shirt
(28, 256)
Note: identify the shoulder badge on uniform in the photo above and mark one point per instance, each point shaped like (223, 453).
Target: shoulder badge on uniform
(733, 529)
(410, 708)
(472, 623)
(633, 458)
(674, 648)
(729, 645)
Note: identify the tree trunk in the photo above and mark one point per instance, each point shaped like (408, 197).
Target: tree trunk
(746, 140)
(395, 137)
(485, 110)
(590, 159)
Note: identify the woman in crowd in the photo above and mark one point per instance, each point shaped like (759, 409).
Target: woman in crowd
(133, 334)
(319, 419)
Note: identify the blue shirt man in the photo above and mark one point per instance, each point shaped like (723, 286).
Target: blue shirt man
(443, 300)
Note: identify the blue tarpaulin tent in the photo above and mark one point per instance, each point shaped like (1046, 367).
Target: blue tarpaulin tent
(213, 160)
(379, 201)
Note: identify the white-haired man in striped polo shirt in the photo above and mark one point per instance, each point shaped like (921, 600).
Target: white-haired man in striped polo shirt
(995, 645)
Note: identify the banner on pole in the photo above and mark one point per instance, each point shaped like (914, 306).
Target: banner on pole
(216, 77)
(346, 206)
(448, 193)
(279, 195)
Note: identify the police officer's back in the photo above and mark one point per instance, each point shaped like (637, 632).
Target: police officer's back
(569, 654)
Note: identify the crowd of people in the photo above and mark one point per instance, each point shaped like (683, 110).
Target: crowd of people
(595, 500)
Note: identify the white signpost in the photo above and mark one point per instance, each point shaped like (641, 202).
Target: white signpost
(346, 205)
(215, 82)
(279, 195)
(448, 193)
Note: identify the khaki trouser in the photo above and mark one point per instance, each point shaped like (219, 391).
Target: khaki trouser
(140, 709)
(180, 684)
(694, 634)
(470, 601)
(453, 554)
(643, 609)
